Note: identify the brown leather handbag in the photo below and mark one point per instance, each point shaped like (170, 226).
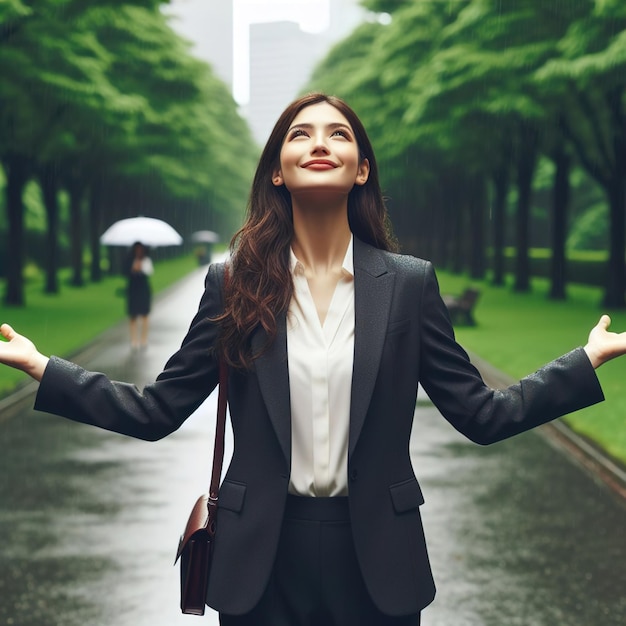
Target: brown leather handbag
(195, 547)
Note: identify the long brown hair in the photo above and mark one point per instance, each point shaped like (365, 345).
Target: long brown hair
(260, 284)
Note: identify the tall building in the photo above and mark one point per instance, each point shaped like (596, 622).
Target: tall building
(344, 16)
(281, 55)
(208, 26)
(282, 58)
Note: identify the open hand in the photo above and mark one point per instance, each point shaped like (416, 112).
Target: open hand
(20, 352)
(602, 345)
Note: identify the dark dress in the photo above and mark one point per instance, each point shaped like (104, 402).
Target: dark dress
(139, 294)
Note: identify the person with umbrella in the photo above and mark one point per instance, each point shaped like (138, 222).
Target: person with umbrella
(139, 294)
(139, 233)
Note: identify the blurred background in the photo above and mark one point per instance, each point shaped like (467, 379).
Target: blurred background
(499, 129)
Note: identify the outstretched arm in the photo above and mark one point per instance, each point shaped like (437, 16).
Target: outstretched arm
(602, 345)
(20, 352)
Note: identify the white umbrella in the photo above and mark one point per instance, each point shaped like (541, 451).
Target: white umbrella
(205, 236)
(147, 230)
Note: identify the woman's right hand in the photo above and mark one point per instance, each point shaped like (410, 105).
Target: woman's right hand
(20, 352)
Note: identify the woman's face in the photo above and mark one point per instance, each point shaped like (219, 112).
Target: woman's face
(320, 154)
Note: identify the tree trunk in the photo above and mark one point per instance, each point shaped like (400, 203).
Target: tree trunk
(616, 279)
(76, 234)
(17, 174)
(525, 172)
(95, 229)
(501, 188)
(439, 235)
(560, 205)
(457, 211)
(432, 222)
(477, 200)
(616, 276)
(49, 188)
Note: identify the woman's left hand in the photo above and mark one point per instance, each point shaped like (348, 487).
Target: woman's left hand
(20, 352)
(602, 345)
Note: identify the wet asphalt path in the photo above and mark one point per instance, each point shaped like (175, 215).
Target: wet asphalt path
(89, 520)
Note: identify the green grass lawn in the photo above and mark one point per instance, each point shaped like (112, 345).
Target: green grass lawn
(61, 324)
(518, 333)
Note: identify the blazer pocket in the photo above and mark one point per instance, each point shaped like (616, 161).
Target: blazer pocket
(406, 496)
(231, 496)
(397, 327)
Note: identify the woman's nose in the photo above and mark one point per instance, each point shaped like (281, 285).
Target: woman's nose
(320, 145)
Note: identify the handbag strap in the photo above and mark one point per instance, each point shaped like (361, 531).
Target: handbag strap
(220, 427)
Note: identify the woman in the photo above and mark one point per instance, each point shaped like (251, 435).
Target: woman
(139, 294)
(327, 334)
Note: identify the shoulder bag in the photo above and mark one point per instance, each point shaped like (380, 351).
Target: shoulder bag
(195, 547)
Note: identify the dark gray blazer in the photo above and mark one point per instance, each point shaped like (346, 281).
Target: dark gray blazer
(403, 336)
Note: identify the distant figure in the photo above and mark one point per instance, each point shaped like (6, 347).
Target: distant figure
(139, 294)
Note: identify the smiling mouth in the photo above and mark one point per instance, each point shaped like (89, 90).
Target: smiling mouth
(320, 164)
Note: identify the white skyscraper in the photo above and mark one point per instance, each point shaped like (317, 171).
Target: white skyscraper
(209, 26)
(282, 58)
(281, 55)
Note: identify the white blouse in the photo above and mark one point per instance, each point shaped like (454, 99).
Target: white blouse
(146, 266)
(320, 382)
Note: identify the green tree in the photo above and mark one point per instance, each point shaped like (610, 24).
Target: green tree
(371, 69)
(106, 101)
(187, 136)
(44, 64)
(483, 80)
(590, 73)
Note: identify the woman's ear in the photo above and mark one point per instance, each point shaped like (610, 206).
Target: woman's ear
(362, 173)
(277, 178)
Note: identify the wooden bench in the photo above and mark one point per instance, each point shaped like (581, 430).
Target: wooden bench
(461, 308)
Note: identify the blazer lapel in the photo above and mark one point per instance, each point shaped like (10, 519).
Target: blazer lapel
(373, 289)
(273, 376)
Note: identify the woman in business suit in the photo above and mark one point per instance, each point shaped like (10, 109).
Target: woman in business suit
(327, 333)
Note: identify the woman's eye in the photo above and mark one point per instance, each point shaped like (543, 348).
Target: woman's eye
(298, 132)
(341, 133)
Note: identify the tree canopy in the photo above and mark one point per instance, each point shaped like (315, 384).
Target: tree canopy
(104, 100)
(463, 100)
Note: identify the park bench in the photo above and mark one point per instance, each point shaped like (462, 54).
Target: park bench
(461, 308)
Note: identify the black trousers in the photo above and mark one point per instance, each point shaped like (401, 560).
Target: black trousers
(316, 580)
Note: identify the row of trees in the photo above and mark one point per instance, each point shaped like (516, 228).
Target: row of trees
(102, 100)
(463, 100)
